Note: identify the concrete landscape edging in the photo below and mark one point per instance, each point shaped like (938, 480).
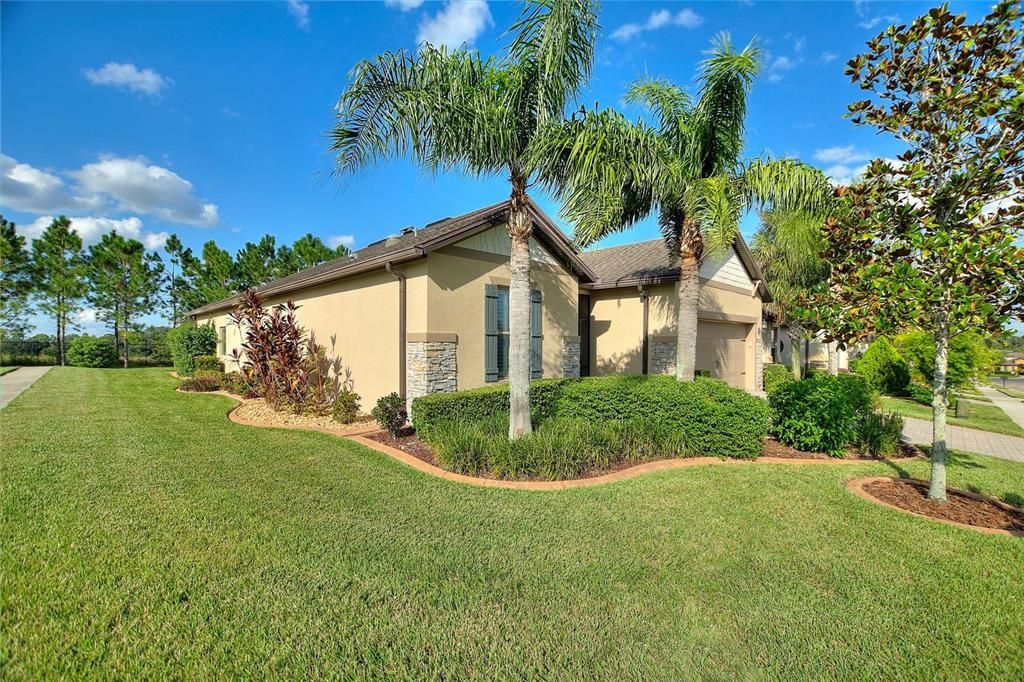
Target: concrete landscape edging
(358, 435)
(856, 486)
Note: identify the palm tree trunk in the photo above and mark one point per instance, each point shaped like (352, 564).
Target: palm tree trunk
(937, 489)
(691, 244)
(795, 339)
(520, 227)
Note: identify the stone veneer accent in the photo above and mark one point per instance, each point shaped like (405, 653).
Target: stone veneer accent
(570, 357)
(431, 367)
(663, 356)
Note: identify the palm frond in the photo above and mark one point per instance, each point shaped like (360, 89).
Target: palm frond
(715, 205)
(604, 167)
(721, 110)
(554, 41)
(669, 103)
(786, 185)
(441, 107)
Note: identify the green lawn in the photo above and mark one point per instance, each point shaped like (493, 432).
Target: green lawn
(983, 417)
(7, 370)
(144, 535)
(1012, 392)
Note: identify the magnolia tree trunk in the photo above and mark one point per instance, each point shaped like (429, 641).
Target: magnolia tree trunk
(519, 228)
(937, 490)
(795, 339)
(690, 245)
(833, 358)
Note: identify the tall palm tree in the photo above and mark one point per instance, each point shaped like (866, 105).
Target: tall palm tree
(454, 109)
(611, 172)
(788, 247)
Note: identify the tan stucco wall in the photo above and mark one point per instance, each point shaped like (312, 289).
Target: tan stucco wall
(457, 278)
(617, 323)
(361, 313)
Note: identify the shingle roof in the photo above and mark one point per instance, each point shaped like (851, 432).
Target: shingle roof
(651, 261)
(630, 262)
(407, 246)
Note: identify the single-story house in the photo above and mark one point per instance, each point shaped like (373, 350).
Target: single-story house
(427, 310)
(814, 352)
(1012, 363)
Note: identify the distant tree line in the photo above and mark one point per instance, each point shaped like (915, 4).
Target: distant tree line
(123, 281)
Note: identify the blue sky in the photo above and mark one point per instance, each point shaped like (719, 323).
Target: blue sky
(209, 120)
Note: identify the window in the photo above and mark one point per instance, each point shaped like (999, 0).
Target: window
(222, 341)
(496, 334)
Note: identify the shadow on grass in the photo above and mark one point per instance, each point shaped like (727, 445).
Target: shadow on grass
(960, 460)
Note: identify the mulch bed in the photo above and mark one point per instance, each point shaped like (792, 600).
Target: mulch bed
(773, 448)
(913, 496)
(257, 410)
(408, 442)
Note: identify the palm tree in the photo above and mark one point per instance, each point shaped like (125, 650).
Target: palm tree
(787, 247)
(611, 172)
(453, 109)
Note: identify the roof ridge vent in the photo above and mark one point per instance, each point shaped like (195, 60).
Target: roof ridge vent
(407, 230)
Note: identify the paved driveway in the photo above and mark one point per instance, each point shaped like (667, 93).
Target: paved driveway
(14, 384)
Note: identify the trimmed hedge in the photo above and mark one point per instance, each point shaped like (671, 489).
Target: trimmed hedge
(708, 416)
(188, 341)
(774, 375)
(483, 403)
(711, 417)
(207, 363)
(884, 368)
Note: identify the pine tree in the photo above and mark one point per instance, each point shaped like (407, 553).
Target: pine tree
(58, 265)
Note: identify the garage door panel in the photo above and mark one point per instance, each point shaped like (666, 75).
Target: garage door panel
(722, 351)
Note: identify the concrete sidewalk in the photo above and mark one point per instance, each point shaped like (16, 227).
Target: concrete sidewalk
(1013, 407)
(967, 440)
(14, 384)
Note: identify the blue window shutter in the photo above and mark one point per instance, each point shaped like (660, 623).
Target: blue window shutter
(536, 335)
(490, 333)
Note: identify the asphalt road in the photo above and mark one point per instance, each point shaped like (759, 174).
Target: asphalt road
(1009, 382)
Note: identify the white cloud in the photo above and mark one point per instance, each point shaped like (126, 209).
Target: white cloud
(845, 155)
(827, 57)
(300, 12)
(458, 23)
(686, 18)
(875, 21)
(778, 66)
(26, 188)
(337, 240)
(842, 174)
(128, 77)
(90, 229)
(230, 113)
(111, 183)
(403, 5)
(86, 316)
(135, 185)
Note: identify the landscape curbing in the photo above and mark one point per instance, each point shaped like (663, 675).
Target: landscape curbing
(358, 435)
(856, 486)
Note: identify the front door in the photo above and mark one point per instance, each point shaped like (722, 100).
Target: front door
(584, 332)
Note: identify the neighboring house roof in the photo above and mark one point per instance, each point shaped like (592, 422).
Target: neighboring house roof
(412, 244)
(650, 262)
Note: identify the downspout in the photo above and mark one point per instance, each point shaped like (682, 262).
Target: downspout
(646, 340)
(401, 326)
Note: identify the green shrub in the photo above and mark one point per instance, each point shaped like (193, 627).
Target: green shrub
(346, 406)
(820, 413)
(968, 358)
(920, 394)
(390, 413)
(483, 403)
(203, 381)
(207, 363)
(188, 341)
(878, 434)
(774, 375)
(558, 449)
(883, 368)
(234, 382)
(90, 351)
(711, 417)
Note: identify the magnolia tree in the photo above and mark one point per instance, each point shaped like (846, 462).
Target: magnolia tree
(931, 240)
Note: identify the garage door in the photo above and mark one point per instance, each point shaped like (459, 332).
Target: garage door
(722, 351)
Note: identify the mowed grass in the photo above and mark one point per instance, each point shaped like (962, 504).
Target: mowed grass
(983, 417)
(7, 370)
(144, 535)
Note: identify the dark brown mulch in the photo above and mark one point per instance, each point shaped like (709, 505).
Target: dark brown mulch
(408, 442)
(913, 496)
(773, 448)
